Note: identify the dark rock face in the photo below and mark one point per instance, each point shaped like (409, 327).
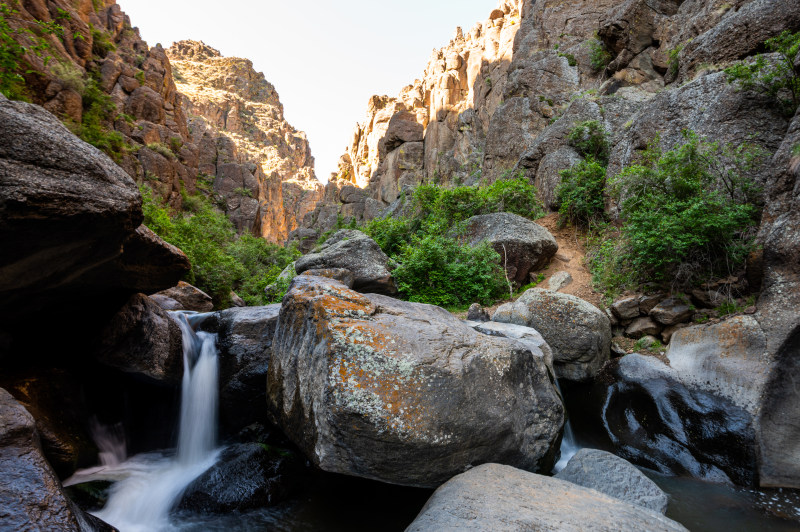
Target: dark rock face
(523, 245)
(188, 297)
(245, 346)
(658, 422)
(246, 476)
(354, 251)
(615, 477)
(497, 497)
(375, 387)
(66, 207)
(577, 331)
(142, 338)
(31, 494)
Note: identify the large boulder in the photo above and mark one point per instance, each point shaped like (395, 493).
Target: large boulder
(142, 338)
(31, 497)
(354, 251)
(374, 387)
(246, 476)
(610, 474)
(245, 346)
(188, 297)
(578, 332)
(501, 498)
(525, 335)
(523, 245)
(69, 220)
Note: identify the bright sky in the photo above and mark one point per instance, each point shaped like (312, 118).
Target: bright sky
(325, 57)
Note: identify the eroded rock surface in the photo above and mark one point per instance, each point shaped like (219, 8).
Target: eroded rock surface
(371, 386)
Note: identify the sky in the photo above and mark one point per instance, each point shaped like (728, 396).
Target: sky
(324, 57)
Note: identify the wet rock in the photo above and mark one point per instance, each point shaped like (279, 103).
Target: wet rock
(696, 416)
(246, 476)
(672, 311)
(167, 303)
(609, 474)
(522, 244)
(339, 274)
(31, 494)
(642, 327)
(476, 313)
(577, 331)
(142, 338)
(374, 387)
(626, 308)
(558, 281)
(245, 347)
(188, 297)
(354, 251)
(497, 497)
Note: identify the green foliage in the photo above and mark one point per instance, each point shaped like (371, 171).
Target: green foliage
(69, 75)
(98, 112)
(437, 270)
(221, 261)
(12, 84)
(139, 76)
(688, 212)
(591, 140)
(778, 79)
(101, 42)
(391, 234)
(570, 58)
(175, 144)
(244, 192)
(608, 260)
(580, 194)
(162, 149)
(599, 56)
(674, 60)
(796, 150)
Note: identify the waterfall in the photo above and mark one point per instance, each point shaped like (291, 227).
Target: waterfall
(568, 444)
(152, 483)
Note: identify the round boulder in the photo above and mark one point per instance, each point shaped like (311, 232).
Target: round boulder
(578, 332)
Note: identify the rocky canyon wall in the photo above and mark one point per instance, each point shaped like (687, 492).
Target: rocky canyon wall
(220, 130)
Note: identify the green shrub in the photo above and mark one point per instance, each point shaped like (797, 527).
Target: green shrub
(12, 84)
(162, 149)
(778, 79)
(98, 112)
(69, 75)
(101, 42)
(580, 195)
(244, 192)
(591, 140)
(391, 234)
(599, 56)
(674, 60)
(690, 211)
(221, 261)
(570, 59)
(438, 270)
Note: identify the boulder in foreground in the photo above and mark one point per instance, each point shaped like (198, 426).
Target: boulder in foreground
(500, 498)
(404, 393)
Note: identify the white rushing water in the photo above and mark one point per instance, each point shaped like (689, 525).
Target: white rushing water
(569, 446)
(149, 485)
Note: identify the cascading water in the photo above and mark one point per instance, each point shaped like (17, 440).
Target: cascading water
(151, 484)
(569, 446)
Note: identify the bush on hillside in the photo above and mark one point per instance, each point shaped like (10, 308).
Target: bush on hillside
(222, 261)
(580, 195)
(688, 212)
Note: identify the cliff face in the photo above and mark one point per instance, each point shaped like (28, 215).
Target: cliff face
(97, 75)
(261, 165)
(501, 98)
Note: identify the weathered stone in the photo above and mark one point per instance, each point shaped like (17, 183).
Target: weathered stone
(246, 476)
(648, 302)
(237, 301)
(526, 335)
(340, 274)
(609, 474)
(642, 327)
(522, 244)
(167, 303)
(382, 384)
(476, 313)
(142, 338)
(558, 281)
(626, 308)
(497, 497)
(577, 331)
(667, 333)
(354, 251)
(31, 494)
(188, 297)
(672, 311)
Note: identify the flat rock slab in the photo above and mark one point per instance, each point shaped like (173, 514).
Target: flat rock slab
(500, 498)
(403, 392)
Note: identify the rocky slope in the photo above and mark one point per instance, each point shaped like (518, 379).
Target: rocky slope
(261, 165)
(87, 64)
